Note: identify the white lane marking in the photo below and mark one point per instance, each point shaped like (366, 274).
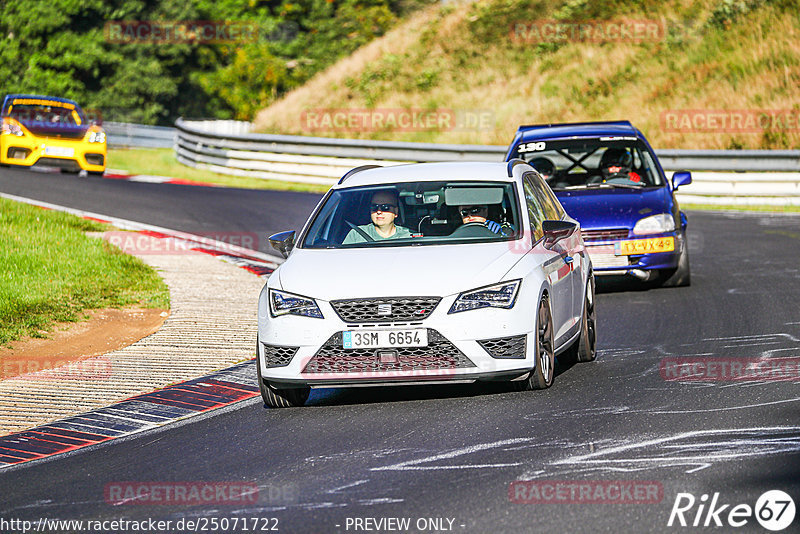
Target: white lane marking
(380, 500)
(758, 344)
(674, 437)
(762, 444)
(351, 485)
(411, 465)
(757, 336)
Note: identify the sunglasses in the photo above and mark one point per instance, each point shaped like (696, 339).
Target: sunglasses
(471, 211)
(382, 207)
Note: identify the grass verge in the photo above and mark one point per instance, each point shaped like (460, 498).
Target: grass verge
(735, 207)
(162, 162)
(51, 271)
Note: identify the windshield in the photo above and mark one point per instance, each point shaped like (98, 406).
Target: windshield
(590, 163)
(416, 213)
(45, 113)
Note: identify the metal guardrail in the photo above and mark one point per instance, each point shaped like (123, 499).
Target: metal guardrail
(227, 147)
(124, 135)
(731, 160)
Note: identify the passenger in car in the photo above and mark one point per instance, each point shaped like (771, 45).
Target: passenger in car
(383, 212)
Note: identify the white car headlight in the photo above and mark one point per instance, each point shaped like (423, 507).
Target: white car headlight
(497, 296)
(11, 128)
(655, 224)
(281, 303)
(97, 137)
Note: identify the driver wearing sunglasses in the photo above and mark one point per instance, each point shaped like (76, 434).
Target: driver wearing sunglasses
(479, 215)
(383, 212)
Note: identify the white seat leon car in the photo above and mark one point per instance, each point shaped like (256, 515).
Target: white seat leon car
(431, 273)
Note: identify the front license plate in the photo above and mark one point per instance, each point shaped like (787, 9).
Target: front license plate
(644, 246)
(369, 339)
(59, 151)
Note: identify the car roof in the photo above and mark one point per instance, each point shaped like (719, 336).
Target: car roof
(434, 172)
(535, 132)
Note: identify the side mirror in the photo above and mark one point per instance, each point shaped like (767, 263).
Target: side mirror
(681, 178)
(283, 242)
(555, 231)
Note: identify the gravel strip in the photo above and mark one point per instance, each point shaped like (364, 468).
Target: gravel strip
(212, 325)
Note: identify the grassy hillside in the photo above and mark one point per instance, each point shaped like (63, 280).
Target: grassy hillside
(739, 55)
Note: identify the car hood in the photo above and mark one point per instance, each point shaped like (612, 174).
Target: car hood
(408, 271)
(614, 208)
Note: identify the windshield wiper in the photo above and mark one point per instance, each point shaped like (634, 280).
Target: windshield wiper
(625, 186)
(599, 185)
(586, 186)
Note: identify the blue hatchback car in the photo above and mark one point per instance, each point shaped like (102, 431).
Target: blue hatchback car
(608, 178)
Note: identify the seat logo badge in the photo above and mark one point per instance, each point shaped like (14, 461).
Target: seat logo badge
(384, 309)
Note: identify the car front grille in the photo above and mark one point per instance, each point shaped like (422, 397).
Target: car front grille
(440, 354)
(66, 164)
(278, 356)
(385, 310)
(505, 347)
(609, 234)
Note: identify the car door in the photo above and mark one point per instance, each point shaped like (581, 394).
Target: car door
(556, 268)
(575, 250)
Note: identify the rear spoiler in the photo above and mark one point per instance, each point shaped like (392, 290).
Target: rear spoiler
(528, 127)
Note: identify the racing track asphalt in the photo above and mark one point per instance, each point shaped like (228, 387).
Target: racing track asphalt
(193, 209)
(430, 452)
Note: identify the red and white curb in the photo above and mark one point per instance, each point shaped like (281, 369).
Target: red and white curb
(116, 174)
(113, 174)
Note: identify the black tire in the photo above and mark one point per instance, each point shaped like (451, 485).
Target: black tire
(681, 276)
(542, 375)
(279, 398)
(586, 346)
(95, 173)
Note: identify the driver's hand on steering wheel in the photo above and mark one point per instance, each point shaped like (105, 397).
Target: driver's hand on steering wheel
(493, 226)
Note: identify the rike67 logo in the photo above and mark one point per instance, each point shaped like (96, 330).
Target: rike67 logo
(774, 510)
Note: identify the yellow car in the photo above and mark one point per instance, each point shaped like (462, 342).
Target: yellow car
(50, 131)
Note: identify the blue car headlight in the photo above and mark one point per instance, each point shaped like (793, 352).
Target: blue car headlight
(282, 303)
(655, 224)
(502, 295)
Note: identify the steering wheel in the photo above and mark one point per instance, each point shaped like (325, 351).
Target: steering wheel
(472, 229)
(361, 232)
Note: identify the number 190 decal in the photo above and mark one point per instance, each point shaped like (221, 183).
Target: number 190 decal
(531, 147)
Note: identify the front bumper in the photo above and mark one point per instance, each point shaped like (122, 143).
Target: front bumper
(27, 151)
(485, 344)
(605, 262)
